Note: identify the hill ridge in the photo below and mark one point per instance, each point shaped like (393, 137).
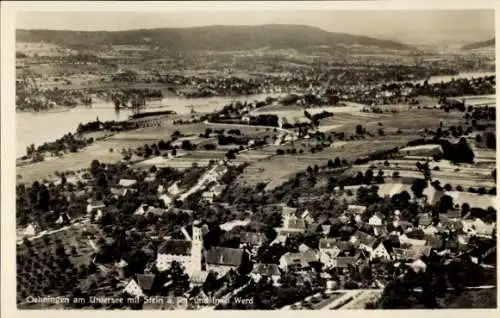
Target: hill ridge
(479, 44)
(214, 37)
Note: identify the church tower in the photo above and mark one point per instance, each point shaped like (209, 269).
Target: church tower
(196, 248)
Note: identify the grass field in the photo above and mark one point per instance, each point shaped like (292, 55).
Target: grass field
(164, 132)
(277, 169)
(75, 161)
(408, 121)
(486, 298)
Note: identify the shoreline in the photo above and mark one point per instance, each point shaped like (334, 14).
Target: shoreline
(54, 110)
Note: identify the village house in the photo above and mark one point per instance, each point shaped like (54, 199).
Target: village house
(223, 259)
(404, 239)
(431, 230)
(330, 250)
(150, 178)
(306, 216)
(133, 289)
(266, 270)
(160, 189)
(119, 192)
(94, 206)
(477, 227)
(174, 189)
(255, 239)
(418, 266)
(145, 209)
(127, 183)
(146, 282)
(64, 218)
(424, 219)
(381, 251)
(291, 223)
(120, 267)
(377, 219)
(422, 150)
(31, 230)
(362, 240)
(212, 193)
(187, 252)
(356, 209)
(298, 261)
(167, 200)
(329, 245)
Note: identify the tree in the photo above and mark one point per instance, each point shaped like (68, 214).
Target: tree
(465, 209)
(94, 167)
(359, 130)
(210, 146)
(208, 131)
(230, 155)
(186, 145)
(445, 204)
(395, 174)
(368, 176)
(337, 162)
(491, 141)
(418, 187)
(147, 151)
(447, 187)
(180, 280)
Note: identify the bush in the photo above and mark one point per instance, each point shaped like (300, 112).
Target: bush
(395, 174)
(459, 188)
(447, 187)
(210, 146)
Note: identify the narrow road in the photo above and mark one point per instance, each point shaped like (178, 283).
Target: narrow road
(246, 126)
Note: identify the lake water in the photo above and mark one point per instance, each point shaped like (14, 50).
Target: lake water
(448, 78)
(37, 128)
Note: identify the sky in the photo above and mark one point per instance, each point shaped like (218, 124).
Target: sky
(409, 26)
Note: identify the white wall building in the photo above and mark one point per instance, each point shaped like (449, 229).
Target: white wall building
(187, 252)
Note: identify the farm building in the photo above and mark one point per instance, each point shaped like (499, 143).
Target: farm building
(422, 150)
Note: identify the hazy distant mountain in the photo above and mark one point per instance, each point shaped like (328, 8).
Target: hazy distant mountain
(479, 45)
(215, 38)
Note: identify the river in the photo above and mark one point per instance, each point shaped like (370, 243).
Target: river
(38, 128)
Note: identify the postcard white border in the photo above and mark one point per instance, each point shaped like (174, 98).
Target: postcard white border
(8, 144)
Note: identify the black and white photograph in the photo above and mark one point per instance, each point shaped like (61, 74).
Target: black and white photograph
(313, 159)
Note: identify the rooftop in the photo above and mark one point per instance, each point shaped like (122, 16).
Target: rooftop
(175, 247)
(224, 256)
